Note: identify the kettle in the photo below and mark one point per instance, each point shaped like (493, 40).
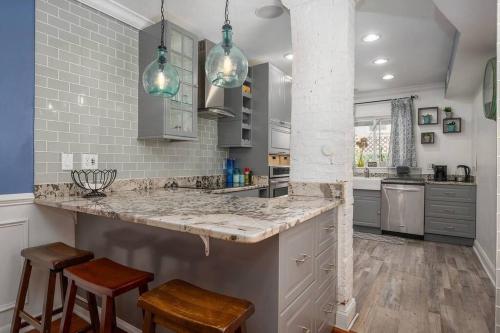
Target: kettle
(463, 173)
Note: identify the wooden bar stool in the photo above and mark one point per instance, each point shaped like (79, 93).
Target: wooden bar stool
(55, 257)
(185, 308)
(104, 278)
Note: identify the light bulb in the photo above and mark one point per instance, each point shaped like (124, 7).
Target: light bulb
(228, 66)
(161, 80)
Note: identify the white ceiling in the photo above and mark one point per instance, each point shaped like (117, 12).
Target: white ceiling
(262, 40)
(476, 42)
(416, 37)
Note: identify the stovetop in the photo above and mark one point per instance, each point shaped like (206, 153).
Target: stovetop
(208, 186)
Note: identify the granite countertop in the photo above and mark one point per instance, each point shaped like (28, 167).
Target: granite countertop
(450, 182)
(222, 216)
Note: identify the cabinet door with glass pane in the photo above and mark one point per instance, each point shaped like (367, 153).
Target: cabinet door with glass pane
(181, 111)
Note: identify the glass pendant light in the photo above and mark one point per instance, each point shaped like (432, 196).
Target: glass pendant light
(226, 65)
(160, 78)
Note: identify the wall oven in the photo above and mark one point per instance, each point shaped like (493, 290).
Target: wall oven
(278, 181)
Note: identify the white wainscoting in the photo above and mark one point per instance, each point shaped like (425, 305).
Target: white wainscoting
(24, 224)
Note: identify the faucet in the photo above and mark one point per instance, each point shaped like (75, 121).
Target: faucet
(367, 173)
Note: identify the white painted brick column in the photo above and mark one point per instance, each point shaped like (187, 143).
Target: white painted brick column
(322, 143)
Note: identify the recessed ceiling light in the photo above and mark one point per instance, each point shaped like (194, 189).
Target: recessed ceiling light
(371, 38)
(288, 56)
(388, 77)
(269, 12)
(380, 61)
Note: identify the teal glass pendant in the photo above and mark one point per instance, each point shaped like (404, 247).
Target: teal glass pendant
(160, 78)
(226, 65)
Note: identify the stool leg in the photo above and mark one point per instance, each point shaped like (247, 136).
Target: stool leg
(148, 325)
(94, 315)
(64, 285)
(48, 306)
(242, 328)
(107, 315)
(21, 296)
(69, 304)
(143, 289)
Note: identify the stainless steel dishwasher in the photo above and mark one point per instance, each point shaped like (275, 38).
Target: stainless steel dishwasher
(403, 206)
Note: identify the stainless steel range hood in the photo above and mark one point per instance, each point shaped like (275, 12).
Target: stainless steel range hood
(210, 98)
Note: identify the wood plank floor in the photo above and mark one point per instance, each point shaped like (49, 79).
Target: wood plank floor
(420, 287)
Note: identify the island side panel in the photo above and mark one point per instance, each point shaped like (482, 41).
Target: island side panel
(249, 271)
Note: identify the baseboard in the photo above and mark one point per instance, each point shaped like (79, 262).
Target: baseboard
(488, 266)
(346, 315)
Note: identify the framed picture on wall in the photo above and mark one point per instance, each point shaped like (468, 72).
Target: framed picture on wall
(452, 125)
(428, 116)
(427, 138)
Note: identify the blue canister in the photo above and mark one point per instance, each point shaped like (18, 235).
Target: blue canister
(229, 170)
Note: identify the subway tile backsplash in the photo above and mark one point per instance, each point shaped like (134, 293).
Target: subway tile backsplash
(86, 101)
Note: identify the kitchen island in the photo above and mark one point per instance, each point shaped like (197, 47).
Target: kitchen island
(279, 253)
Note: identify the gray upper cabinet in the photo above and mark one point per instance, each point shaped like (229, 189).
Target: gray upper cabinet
(280, 95)
(177, 118)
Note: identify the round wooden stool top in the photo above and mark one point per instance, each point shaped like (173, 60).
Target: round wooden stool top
(106, 277)
(182, 306)
(56, 256)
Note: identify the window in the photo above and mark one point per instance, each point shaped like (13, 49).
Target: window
(377, 132)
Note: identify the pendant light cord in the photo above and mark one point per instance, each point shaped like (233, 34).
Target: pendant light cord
(162, 43)
(227, 21)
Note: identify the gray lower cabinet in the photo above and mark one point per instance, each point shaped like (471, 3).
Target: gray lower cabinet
(308, 271)
(176, 118)
(367, 210)
(450, 213)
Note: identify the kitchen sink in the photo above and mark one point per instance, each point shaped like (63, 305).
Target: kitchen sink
(367, 183)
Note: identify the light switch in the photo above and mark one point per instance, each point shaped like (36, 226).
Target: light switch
(89, 161)
(66, 161)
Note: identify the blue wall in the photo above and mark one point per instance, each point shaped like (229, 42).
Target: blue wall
(17, 93)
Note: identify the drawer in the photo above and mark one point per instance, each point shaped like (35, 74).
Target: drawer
(452, 210)
(299, 316)
(325, 266)
(366, 193)
(457, 193)
(450, 227)
(324, 309)
(326, 226)
(296, 262)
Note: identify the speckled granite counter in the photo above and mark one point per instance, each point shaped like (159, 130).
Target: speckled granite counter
(222, 216)
(450, 182)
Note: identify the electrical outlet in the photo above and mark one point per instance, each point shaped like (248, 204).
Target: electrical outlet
(66, 161)
(89, 161)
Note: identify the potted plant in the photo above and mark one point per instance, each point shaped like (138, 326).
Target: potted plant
(362, 144)
(427, 118)
(448, 112)
(451, 126)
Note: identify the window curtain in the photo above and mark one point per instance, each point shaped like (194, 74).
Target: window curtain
(402, 146)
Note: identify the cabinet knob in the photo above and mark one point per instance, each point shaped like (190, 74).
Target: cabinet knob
(303, 258)
(305, 329)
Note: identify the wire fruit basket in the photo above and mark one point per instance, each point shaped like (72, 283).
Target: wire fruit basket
(95, 181)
